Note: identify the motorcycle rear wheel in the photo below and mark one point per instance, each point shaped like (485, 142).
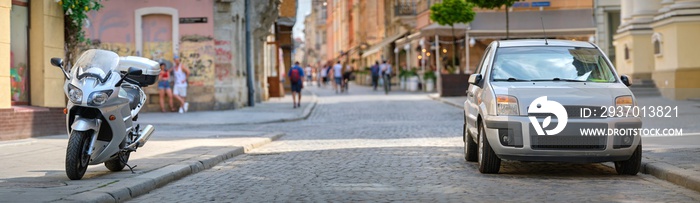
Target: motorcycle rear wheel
(76, 155)
(116, 164)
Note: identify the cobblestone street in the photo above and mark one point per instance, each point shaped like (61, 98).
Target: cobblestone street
(367, 146)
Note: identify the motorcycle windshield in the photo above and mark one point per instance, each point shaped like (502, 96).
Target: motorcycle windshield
(96, 63)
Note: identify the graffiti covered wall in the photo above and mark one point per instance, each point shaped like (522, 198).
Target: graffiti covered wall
(198, 53)
(113, 28)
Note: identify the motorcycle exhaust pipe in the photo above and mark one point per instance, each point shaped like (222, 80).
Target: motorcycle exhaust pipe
(143, 137)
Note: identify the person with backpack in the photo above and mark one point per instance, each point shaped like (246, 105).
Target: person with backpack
(296, 73)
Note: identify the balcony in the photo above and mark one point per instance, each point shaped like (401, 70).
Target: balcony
(405, 9)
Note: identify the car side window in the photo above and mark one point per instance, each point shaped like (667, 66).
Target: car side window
(479, 67)
(485, 61)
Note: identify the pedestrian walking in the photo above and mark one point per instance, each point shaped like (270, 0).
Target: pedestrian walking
(296, 75)
(338, 77)
(385, 70)
(308, 73)
(164, 88)
(324, 75)
(374, 70)
(180, 74)
(347, 73)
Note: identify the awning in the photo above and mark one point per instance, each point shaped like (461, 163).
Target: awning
(375, 48)
(527, 24)
(444, 30)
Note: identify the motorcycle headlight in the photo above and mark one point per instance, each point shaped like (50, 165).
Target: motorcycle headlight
(75, 94)
(99, 98)
(506, 105)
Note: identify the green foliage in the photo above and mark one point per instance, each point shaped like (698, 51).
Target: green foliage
(429, 75)
(408, 73)
(76, 13)
(492, 4)
(450, 12)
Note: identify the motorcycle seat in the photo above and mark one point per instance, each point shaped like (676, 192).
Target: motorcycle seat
(134, 96)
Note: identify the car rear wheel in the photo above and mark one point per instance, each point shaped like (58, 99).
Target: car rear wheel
(488, 161)
(470, 150)
(632, 165)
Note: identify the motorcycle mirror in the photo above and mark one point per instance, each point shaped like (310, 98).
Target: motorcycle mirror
(130, 71)
(58, 62)
(135, 71)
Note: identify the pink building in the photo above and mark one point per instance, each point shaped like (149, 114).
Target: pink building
(162, 29)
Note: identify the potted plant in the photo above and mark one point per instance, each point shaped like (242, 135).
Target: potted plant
(429, 77)
(412, 79)
(402, 79)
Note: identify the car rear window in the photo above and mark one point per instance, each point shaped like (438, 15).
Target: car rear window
(548, 63)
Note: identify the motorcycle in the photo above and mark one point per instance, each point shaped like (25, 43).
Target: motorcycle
(105, 96)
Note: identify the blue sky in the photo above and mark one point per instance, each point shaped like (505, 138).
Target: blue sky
(303, 9)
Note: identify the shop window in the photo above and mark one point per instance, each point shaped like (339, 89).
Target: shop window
(19, 66)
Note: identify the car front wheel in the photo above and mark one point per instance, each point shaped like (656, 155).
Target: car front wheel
(632, 165)
(488, 161)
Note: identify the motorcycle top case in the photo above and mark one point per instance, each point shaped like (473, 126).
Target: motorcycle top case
(150, 69)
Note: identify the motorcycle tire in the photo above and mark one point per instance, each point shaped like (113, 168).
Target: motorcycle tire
(76, 155)
(116, 164)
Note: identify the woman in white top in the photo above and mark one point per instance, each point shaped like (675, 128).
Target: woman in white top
(180, 73)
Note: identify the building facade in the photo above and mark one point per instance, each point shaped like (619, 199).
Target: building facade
(656, 42)
(31, 94)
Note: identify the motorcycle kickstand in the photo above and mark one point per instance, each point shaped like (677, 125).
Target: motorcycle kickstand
(121, 159)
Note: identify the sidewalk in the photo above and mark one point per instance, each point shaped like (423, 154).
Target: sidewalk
(274, 110)
(33, 169)
(674, 159)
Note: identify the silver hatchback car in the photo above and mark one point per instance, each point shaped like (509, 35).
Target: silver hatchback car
(554, 101)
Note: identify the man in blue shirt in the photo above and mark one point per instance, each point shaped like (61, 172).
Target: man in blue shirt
(375, 74)
(296, 73)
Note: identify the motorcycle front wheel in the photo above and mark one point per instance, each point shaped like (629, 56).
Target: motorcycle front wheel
(77, 158)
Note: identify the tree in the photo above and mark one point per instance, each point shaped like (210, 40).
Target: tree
(75, 16)
(450, 12)
(495, 4)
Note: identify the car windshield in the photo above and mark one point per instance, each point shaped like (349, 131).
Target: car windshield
(96, 63)
(551, 63)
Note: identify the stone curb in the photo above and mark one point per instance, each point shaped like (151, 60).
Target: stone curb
(663, 171)
(670, 173)
(129, 188)
(437, 98)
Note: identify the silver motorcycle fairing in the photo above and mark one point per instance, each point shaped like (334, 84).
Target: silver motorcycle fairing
(85, 124)
(115, 105)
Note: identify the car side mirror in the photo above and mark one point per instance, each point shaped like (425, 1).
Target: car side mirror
(58, 62)
(625, 80)
(135, 71)
(475, 79)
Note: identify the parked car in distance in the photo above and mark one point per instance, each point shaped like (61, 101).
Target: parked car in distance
(537, 100)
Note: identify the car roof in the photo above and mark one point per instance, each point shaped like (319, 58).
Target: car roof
(541, 42)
